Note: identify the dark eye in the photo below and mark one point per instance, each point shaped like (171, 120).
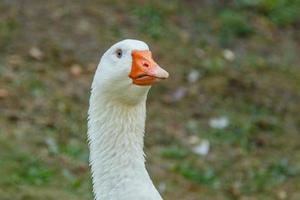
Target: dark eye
(119, 53)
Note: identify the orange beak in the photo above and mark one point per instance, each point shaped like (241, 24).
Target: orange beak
(144, 71)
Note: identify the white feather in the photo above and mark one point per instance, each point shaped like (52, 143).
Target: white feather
(116, 127)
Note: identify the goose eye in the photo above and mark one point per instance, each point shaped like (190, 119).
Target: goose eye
(119, 53)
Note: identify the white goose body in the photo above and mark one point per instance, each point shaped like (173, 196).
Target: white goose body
(117, 122)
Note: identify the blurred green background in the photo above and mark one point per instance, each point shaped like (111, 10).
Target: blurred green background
(225, 125)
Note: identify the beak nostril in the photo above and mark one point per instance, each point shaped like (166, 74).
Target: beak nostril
(145, 64)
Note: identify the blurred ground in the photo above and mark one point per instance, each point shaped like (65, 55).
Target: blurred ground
(235, 85)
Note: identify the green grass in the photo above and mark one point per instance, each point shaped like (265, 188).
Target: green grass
(264, 179)
(281, 12)
(43, 147)
(8, 30)
(154, 26)
(204, 177)
(174, 152)
(233, 24)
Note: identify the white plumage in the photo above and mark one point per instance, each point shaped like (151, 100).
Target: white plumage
(116, 122)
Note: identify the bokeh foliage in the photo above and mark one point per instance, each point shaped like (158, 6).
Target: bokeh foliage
(245, 55)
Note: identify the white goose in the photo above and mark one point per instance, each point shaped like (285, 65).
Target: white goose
(117, 120)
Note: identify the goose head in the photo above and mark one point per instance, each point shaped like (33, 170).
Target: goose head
(126, 72)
